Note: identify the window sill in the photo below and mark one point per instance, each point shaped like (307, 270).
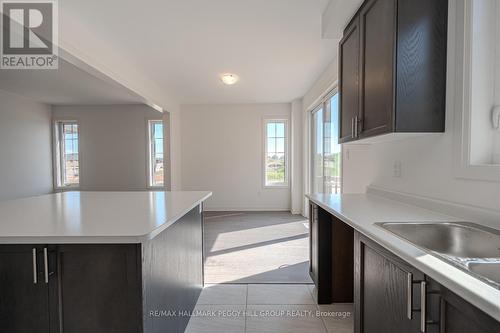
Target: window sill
(271, 187)
(66, 189)
(156, 188)
(484, 172)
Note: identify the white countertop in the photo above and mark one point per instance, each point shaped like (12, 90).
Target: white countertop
(361, 211)
(93, 217)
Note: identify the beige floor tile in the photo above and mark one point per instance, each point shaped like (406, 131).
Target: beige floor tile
(279, 294)
(220, 294)
(338, 318)
(283, 319)
(217, 319)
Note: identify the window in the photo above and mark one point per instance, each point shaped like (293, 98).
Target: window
(331, 147)
(325, 149)
(67, 166)
(477, 91)
(276, 157)
(485, 77)
(156, 158)
(317, 151)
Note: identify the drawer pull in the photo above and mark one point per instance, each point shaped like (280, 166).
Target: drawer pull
(35, 273)
(409, 296)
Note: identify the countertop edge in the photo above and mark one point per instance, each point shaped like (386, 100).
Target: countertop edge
(152, 234)
(489, 307)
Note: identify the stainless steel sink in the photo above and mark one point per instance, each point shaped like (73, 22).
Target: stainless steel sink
(489, 270)
(469, 246)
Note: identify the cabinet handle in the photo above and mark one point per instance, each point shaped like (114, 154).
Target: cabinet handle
(46, 265)
(352, 128)
(409, 296)
(423, 306)
(35, 277)
(356, 134)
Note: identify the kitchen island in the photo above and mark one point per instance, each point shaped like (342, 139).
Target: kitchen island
(101, 262)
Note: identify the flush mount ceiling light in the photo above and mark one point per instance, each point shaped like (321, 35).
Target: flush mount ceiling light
(229, 78)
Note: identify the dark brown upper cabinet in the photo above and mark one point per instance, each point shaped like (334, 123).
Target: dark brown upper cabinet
(392, 69)
(349, 80)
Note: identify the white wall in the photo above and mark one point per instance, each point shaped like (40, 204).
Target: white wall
(175, 150)
(297, 156)
(427, 162)
(113, 145)
(222, 151)
(25, 147)
(325, 82)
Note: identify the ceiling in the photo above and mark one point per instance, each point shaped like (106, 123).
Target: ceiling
(182, 46)
(68, 85)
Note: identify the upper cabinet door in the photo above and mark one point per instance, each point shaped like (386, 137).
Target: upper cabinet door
(378, 35)
(399, 84)
(349, 81)
(421, 54)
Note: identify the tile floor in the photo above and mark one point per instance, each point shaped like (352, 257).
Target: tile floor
(276, 308)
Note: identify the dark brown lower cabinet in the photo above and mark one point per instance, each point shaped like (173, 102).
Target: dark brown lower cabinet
(100, 288)
(389, 296)
(26, 300)
(386, 290)
(104, 288)
(331, 257)
(454, 314)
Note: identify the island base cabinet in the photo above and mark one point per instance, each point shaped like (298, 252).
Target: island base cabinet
(100, 288)
(26, 300)
(104, 288)
(173, 275)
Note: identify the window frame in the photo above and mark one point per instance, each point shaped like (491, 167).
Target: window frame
(461, 93)
(318, 108)
(57, 167)
(286, 183)
(150, 157)
(326, 100)
(321, 105)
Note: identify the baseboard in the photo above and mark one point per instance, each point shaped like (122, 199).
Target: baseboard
(263, 209)
(467, 212)
(297, 212)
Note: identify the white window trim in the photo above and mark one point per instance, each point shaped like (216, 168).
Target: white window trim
(309, 170)
(56, 167)
(463, 168)
(149, 160)
(265, 120)
(310, 154)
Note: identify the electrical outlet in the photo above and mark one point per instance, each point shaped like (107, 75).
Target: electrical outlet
(397, 171)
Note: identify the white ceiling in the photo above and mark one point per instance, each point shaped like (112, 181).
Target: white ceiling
(182, 46)
(68, 85)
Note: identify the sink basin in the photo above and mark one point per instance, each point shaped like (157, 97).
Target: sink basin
(469, 246)
(458, 239)
(490, 270)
